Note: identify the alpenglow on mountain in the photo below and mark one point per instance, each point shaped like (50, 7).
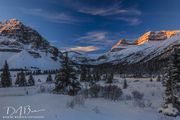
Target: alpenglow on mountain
(152, 49)
(24, 48)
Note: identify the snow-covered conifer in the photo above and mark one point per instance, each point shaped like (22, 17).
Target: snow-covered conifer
(66, 81)
(5, 76)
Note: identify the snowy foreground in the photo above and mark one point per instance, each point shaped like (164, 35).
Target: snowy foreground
(54, 107)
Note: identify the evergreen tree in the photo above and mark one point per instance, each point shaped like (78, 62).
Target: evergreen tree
(17, 79)
(83, 76)
(163, 81)
(90, 78)
(105, 77)
(49, 79)
(31, 81)
(21, 79)
(66, 80)
(89, 75)
(125, 84)
(5, 76)
(172, 79)
(96, 76)
(110, 78)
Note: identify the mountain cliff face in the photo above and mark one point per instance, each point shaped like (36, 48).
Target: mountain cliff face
(150, 46)
(156, 36)
(23, 47)
(120, 45)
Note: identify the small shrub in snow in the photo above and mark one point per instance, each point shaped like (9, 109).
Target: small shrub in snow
(148, 103)
(138, 99)
(84, 92)
(39, 80)
(42, 89)
(127, 97)
(151, 80)
(112, 92)
(96, 110)
(142, 103)
(139, 103)
(169, 110)
(137, 95)
(70, 104)
(163, 117)
(77, 100)
(94, 90)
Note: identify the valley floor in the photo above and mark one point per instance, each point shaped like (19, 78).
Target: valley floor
(55, 106)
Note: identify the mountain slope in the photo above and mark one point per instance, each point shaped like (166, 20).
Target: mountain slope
(23, 47)
(150, 46)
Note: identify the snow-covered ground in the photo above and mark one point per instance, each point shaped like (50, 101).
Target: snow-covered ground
(54, 106)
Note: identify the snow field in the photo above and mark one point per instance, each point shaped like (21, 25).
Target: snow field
(55, 105)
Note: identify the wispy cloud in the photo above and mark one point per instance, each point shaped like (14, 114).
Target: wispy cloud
(57, 17)
(95, 38)
(110, 11)
(85, 48)
(131, 21)
(116, 12)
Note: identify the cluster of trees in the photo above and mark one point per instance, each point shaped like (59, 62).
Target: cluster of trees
(6, 80)
(111, 92)
(172, 80)
(40, 72)
(140, 69)
(89, 74)
(93, 75)
(21, 80)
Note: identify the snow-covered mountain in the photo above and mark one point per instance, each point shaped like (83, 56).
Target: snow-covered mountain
(150, 46)
(23, 47)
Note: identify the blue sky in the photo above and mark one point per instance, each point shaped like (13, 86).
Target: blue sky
(92, 25)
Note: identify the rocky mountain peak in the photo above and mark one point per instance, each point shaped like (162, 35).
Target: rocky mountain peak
(13, 22)
(16, 35)
(120, 42)
(9, 26)
(143, 38)
(156, 36)
(16, 30)
(148, 36)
